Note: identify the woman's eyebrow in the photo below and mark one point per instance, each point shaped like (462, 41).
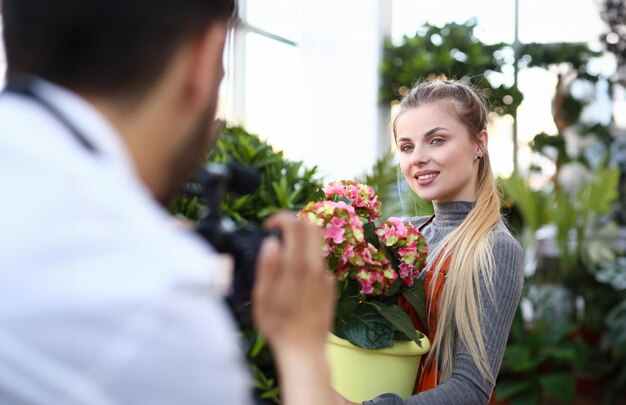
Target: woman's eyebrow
(426, 134)
(434, 130)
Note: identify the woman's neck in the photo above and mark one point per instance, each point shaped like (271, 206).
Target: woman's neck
(452, 213)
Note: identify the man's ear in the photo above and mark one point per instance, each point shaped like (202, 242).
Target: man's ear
(206, 69)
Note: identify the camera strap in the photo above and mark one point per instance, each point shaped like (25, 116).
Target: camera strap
(26, 86)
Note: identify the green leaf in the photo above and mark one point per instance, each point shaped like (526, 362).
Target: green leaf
(259, 344)
(530, 397)
(519, 358)
(285, 184)
(260, 380)
(394, 287)
(399, 319)
(559, 385)
(271, 394)
(525, 199)
(346, 307)
(395, 262)
(294, 196)
(509, 389)
(416, 296)
(563, 354)
(369, 231)
(366, 328)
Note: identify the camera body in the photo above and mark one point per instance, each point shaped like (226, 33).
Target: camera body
(241, 242)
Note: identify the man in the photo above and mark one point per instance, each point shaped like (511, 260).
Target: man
(102, 301)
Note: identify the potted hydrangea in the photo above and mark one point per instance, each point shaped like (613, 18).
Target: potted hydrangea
(376, 264)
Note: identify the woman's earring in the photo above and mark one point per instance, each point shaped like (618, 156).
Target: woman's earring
(479, 157)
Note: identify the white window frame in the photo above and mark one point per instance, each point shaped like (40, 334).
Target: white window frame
(236, 83)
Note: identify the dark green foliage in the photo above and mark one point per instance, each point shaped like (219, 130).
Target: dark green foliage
(452, 50)
(546, 55)
(284, 185)
(543, 140)
(571, 109)
(366, 328)
(540, 361)
(416, 296)
(375, 322)
(400, 319)
(615, 340)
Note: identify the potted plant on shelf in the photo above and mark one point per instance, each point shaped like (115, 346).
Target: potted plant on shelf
(375, 347)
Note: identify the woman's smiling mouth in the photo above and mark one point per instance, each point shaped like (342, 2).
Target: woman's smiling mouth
(425, 178)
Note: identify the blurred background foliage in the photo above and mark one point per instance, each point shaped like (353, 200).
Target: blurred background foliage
(454, 51)
(570, 329)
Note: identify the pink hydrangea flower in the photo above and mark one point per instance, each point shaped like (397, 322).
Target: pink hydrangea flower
(334, 232)
(341, 216)
(361, 196)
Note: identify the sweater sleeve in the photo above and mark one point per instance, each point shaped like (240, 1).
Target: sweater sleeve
(466, 385)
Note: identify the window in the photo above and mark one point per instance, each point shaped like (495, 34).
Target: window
(304, 76)
(264, 68)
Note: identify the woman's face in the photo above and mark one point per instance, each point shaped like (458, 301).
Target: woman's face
(437, 154)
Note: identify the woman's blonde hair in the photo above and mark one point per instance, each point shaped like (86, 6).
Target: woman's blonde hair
(469, 246)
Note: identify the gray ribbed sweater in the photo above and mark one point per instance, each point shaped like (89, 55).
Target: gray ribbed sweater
(466, 385)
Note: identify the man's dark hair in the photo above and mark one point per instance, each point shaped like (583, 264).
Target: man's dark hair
(110, 47)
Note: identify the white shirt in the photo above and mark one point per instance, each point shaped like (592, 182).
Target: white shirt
(102, 300)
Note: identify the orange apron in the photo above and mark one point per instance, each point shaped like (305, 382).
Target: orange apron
(428, 377)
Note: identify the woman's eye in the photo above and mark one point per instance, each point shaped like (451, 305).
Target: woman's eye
(437, 140)
(406, 148)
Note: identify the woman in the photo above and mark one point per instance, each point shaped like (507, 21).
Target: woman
(474, 276)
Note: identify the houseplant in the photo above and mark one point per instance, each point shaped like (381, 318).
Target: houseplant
(285, 184)
(376, 264)
(538, 363)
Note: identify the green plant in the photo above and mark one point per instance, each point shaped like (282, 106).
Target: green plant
(572, 214)
(576, 213)
(452, 50)
(285, 184)
(615, 342)
(611, 275)
(539, 361)
(531, 204)
(582, 243)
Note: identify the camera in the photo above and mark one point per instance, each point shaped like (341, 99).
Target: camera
(212, 182)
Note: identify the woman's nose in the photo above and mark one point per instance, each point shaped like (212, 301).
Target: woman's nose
(419, 157)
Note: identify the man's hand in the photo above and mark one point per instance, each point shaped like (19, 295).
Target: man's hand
(293, 307)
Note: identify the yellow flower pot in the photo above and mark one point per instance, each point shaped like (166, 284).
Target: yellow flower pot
(360, 374)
